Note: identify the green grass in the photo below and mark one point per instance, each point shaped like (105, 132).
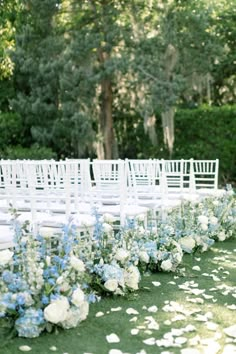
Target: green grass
(90, 336)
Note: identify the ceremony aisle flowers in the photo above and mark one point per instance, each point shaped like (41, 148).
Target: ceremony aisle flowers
(42, 284)
(48, 281)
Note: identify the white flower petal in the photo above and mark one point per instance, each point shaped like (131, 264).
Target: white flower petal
(134, 331)
(25, 348)
(211, 326)
(53, 348)
(150, 341)
(231, 331)
(152, 309)
(115, 351)
(112, 338)
(156, 283)
(115, 309)
(99, 314)
(197, 268)
(131, 311)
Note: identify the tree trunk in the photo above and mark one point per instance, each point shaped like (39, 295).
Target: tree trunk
(106, 118)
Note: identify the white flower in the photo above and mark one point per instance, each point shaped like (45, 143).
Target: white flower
(46, 232)
(48, 260)
(132, 277)
(57, 311)
(166, 265)
(64, 286)
(111, 284)
(107, 228)
(143, 256)
(77, 297)
(187, 243)
(108, 218)
(204, 227)
(5, 257)
(84, 310)
(203, 219)
(221, 236)
(59, 280)
(121, 255)
(77, 264)
(213, 220)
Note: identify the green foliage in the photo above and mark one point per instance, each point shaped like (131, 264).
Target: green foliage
(35, 152)
(12, 130)
(208, 133)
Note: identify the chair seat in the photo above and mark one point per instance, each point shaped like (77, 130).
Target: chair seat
(6, 237)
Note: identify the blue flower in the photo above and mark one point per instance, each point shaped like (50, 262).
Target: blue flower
(30, 324)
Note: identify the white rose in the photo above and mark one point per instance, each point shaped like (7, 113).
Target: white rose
(5, 257)
(203, 219)
(204, 227)
(187, 243)
(72, 319)
(213, 220)
(57, 311)
(221, 236)
(111, 284)
(121, 255)
(132, 277)
(166, 265)
(107, 228)
(46, 232)
(77, 264)
(144, 257)
(77, 297)
(108, 218)
(84, 310)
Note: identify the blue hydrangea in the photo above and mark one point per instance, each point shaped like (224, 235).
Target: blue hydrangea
(30, 324)
(111, 271)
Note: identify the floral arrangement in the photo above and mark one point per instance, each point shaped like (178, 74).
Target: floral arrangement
(49, 281)
(42, 286)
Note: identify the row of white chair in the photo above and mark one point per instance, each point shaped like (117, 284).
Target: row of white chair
(49, 191)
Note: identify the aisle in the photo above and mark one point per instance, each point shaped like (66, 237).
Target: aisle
(188, 313)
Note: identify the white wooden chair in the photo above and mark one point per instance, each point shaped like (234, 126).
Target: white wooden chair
(110, 194)
(204, 175)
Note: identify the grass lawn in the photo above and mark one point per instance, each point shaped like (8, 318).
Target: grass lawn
(201, 308)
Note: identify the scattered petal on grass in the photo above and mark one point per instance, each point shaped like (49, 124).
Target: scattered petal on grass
(196, 300)
(212, 326)
(196, 268)
(189, 328)
(190, 351)
(194, 341)
(231, 307)
(112, 338)
(53, 348)
(115, 351)
(156, 283)
(197, 291)
(144, 307)
(231, 331)
(25, 348)
(114, 309)
(177, 332)
(131, 311)
(147, 331)
(150, 341)
(99, 314)
(171, 282)
(167, 322)
(229, 349)
(179, 317)
(207, 297)
(152, 309)
(180, 340)
(134, 331)
(133, 319)
(197, 259)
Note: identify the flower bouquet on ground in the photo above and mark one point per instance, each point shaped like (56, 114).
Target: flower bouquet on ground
(42, 287)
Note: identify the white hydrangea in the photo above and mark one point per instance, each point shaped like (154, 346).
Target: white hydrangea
(203, 219)
(166, 265)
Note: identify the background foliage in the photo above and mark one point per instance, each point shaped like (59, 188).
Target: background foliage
(111, 78)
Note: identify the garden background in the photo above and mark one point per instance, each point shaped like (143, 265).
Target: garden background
(113, 79)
